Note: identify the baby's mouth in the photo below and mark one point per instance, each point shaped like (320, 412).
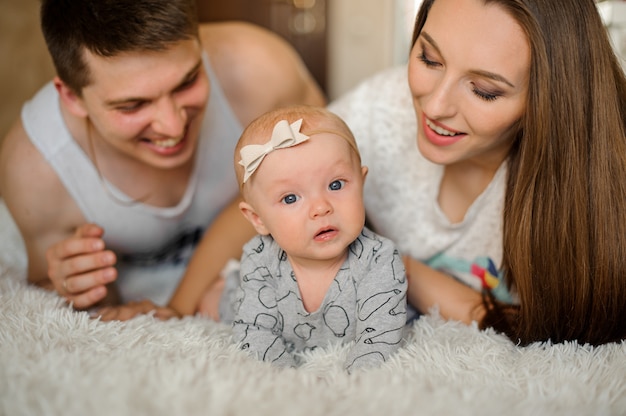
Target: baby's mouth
(325, 231)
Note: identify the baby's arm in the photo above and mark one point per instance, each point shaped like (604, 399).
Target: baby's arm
(380, 309)
(258, 324)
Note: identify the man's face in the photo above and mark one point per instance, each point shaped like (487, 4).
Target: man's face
(148, 106)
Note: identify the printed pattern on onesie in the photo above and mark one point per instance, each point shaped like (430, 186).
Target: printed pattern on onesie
(365, 304)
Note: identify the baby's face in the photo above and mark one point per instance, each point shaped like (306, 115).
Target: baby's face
(310, 197)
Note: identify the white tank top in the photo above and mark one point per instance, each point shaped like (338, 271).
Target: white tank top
(153, 244)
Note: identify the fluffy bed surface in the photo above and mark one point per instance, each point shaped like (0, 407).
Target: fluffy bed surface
(54, 360)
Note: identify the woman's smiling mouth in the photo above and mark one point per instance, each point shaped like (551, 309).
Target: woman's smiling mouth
(438, 135)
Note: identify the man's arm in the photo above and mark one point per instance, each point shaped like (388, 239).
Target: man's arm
(63, 253)
(258, 70)
(197, 290)
(222, 242)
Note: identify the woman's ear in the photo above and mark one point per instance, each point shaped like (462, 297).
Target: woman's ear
(70, 99)
(250, 214)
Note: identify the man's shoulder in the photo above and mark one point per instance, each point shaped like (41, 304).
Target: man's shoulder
(17, 154)
(257, 69)
(232, 28)
(28, 183)
(230, 36)
(232, 46)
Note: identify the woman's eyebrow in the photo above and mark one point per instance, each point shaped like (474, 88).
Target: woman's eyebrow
(493, 76)
(479, 72)
(430, 40)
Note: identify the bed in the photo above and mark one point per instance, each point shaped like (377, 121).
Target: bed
(54, 361)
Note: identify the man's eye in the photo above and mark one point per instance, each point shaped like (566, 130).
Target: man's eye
(129, 108)
(289, 199)
(188, 83)
(336, 185)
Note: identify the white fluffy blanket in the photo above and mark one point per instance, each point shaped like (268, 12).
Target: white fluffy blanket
(56, 361)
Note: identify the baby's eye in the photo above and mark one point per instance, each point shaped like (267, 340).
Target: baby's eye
(289, 199)
(336, 185)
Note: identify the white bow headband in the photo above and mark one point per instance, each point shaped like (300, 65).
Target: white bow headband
(284, 135)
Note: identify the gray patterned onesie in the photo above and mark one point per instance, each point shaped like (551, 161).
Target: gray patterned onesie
(366, 303)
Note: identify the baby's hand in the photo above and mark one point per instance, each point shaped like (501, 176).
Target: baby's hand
(132, 309)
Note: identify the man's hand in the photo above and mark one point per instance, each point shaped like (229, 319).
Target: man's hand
(79, 267)
(132, 309)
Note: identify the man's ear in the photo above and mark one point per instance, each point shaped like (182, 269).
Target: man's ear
(70, 99)
(250, 214)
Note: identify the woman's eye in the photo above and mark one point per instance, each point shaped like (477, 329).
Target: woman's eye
(336, 185)
(289, 199)
(484, 95)
(428, 62)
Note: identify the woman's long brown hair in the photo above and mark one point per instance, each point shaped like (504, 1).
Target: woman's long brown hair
(564, 239)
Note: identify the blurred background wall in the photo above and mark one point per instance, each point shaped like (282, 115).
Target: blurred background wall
(24, 62)
(341, 41)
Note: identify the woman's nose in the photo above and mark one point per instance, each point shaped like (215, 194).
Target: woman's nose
(440, 103)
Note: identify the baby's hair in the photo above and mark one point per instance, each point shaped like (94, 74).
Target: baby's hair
(260, 129)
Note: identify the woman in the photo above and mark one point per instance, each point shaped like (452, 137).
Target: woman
(518, 178)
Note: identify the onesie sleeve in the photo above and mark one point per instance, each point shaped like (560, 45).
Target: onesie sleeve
(381, 303)
(258, 324)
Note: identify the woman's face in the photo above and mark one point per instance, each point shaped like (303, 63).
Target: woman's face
(468, 74)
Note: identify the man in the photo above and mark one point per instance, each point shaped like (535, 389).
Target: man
(117, 166)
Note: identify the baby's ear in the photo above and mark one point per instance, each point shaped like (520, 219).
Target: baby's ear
(248, 211)
(364, 171)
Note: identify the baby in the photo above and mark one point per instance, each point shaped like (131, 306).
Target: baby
(314, 274)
